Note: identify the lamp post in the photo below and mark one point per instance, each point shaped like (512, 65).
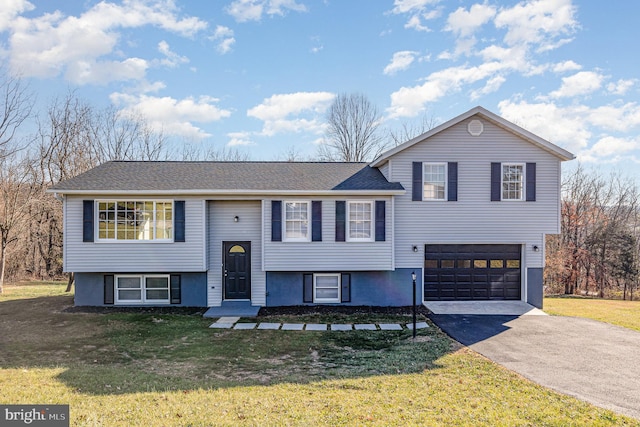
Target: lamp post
(413, 277)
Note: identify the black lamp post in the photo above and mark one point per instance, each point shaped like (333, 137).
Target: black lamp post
(413, 277)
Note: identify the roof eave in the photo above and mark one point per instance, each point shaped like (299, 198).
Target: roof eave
(230, 192)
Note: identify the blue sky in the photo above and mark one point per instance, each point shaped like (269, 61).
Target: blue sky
(258, 75)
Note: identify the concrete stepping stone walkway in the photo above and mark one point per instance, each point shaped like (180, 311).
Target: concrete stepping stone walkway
(233, 323)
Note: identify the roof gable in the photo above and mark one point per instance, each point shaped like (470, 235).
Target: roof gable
(541, 143)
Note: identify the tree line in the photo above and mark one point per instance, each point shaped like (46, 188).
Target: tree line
(595, 254)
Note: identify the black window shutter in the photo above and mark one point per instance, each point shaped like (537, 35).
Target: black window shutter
(87, 220)
(380, 221)
(175, 289)
(531, 182)
(416, 190)
(316, 221)
(108, 289)
(178, 221)
(496, 181)
(452, 184)
(276, 221)
(307, 287)
(341, 212)
(345, 284)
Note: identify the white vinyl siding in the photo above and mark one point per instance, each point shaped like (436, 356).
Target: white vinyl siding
(138, 256)
(222, 228)
(474, 218)
(329, 255)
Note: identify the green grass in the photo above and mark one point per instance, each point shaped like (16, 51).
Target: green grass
(616, 312)
(134, 369)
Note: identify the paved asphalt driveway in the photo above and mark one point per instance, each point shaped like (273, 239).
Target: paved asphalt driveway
(593, 361)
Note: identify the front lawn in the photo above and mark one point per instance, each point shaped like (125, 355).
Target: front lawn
(616, 312)
(153, 369)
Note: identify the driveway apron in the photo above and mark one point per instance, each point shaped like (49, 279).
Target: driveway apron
(590, 360)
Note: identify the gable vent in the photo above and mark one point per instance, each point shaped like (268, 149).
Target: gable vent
(475, 127)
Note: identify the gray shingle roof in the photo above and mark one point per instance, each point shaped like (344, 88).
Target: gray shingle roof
(124, 176)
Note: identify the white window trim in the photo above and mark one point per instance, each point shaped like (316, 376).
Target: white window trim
(284, 222)
(371, 223)
(446, 181)
(134, 241)
(143, 288)
(327, 300)
(523, 190)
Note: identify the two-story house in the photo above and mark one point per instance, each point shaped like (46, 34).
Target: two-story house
(466, 206)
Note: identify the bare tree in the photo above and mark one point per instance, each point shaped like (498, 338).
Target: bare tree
(17, 194)
(409, 131)
(15, 108)
(352, 130)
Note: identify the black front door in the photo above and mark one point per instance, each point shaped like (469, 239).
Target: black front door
(237, 270)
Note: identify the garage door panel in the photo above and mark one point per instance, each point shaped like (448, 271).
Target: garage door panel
(468, 272)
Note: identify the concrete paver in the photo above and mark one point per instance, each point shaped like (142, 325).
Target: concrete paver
(269, 326)
(316, 327)
(292, 326)
(390, 327)
(341, 327)
(245, 326)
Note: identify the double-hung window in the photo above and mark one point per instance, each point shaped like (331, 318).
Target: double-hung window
(434, 181)
(130, 220)
(296, 220)
(360, 223)
(512, 181)
(148, 289)
(326, 287)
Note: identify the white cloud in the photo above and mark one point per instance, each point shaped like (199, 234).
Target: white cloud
(564, 126)
(417, 11)
(252, 10)
(410, 101)
(581, 83)
(538, 22)
(492, 85)
(171, 59)
(404, 6)
(561, 67)
(239, 139)
(294, 112)
(10, 9)
(170, 115)
(224, 36)
(573, 127)
(400, 61)
(611, 146)
(77, 45)
(464, 23)
(621, 86)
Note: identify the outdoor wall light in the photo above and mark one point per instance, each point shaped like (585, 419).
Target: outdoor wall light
(536, 248)
(236, 218)
(415, 248)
